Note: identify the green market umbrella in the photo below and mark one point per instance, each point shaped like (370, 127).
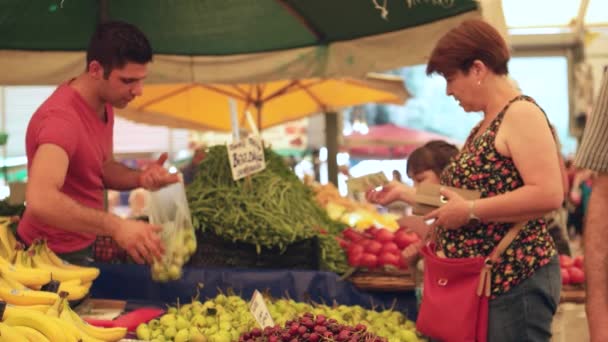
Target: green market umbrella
(233, 41)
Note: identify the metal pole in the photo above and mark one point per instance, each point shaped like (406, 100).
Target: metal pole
(331, 141)
(103, 14)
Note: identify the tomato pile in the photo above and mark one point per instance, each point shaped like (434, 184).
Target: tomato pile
(376, 248)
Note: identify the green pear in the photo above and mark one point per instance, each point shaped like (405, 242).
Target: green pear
(408, 336)
(143, 332)
(170, 332)
(168, 319)
(222, 336)
(181, 323)
(182, 335)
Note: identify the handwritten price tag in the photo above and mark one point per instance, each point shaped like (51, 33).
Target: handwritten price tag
(246, 157)
(258, 309)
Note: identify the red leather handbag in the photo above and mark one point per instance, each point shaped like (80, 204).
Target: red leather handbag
(456, 293)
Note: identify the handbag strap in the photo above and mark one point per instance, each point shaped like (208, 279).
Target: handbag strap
(506, 241)
(485, 279)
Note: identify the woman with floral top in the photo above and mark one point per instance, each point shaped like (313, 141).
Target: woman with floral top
(512, 159)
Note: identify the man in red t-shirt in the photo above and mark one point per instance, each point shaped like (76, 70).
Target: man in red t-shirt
(70, 153)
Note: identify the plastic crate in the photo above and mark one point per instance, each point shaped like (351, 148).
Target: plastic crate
(105, 249)
(214, 251)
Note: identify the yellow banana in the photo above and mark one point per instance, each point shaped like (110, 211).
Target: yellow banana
(43, 308)
(31, 334)
(57, 306)
(87, 274)
(71, 334)
(35, 320)
(75, 292)
(23, 259)
(6, 247)
(11, 282)
(67, 318)
(104, 334)
(27, 297)
(9, 334)
(73, 282)
(30, 277)
(61, 274)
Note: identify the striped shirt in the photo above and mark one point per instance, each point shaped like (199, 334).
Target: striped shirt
(593, 152)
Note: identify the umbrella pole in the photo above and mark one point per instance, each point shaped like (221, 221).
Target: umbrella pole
(331, 141)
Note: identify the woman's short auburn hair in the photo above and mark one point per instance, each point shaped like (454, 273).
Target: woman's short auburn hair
(472, 40)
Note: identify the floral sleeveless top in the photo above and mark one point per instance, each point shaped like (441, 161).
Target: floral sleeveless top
(480, 167)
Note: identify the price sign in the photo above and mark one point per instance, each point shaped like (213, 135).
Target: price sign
(259, 310)
(246, 157)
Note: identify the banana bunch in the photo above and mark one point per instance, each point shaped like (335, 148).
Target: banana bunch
(23, 272)
(180, 244)
(76, 280)
(56, 323)
(8, 242)
(16, 293)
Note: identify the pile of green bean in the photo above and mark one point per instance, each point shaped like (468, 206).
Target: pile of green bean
(272, 208)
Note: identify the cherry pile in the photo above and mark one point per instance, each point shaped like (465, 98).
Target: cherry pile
(313, 329)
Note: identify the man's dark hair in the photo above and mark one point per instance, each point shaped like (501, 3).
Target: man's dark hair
(114, 43)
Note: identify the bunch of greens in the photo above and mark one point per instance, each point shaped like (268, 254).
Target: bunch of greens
(272, 208)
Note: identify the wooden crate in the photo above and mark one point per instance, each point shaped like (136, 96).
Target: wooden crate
(573, 294)
(384, 281)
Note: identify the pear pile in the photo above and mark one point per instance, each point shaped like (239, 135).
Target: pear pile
(180, 244)
(226, 318)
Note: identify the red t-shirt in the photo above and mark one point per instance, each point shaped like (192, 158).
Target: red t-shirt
(66, 120)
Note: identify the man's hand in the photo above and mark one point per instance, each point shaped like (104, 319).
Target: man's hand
(140, 239)
(155, 176)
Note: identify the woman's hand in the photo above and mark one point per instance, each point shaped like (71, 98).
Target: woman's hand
(410, 252)
(453, 215)
(390, 193)
(416, 225)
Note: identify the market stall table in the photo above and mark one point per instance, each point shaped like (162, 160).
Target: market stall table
(133, 283)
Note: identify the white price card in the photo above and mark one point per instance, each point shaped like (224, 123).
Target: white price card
(258, 309)
(246, 157)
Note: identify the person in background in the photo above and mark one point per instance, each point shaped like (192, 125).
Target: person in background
(397, 176)
(138, 202)
(69, 144)
(593, 155)
(189, 171)
(511, 158)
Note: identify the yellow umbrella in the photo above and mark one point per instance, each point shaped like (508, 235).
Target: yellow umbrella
(205, 106)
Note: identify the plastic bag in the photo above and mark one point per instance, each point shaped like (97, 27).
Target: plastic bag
(169, 209)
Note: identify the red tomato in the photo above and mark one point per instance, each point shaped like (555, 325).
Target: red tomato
(579, 261)
(385, 235)
(388, 259)
(402, 239)
(390, 247)
(565, 261)
(355, 259)
(352, 235)
(373, 247)
(577, 276)
(369, 260)
(565, 276)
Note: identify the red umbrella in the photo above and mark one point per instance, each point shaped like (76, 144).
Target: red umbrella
(388, 141)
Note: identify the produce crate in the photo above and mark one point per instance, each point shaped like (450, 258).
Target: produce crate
(215, 251)
(573, 294)
(105, 249)
(384, 280)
